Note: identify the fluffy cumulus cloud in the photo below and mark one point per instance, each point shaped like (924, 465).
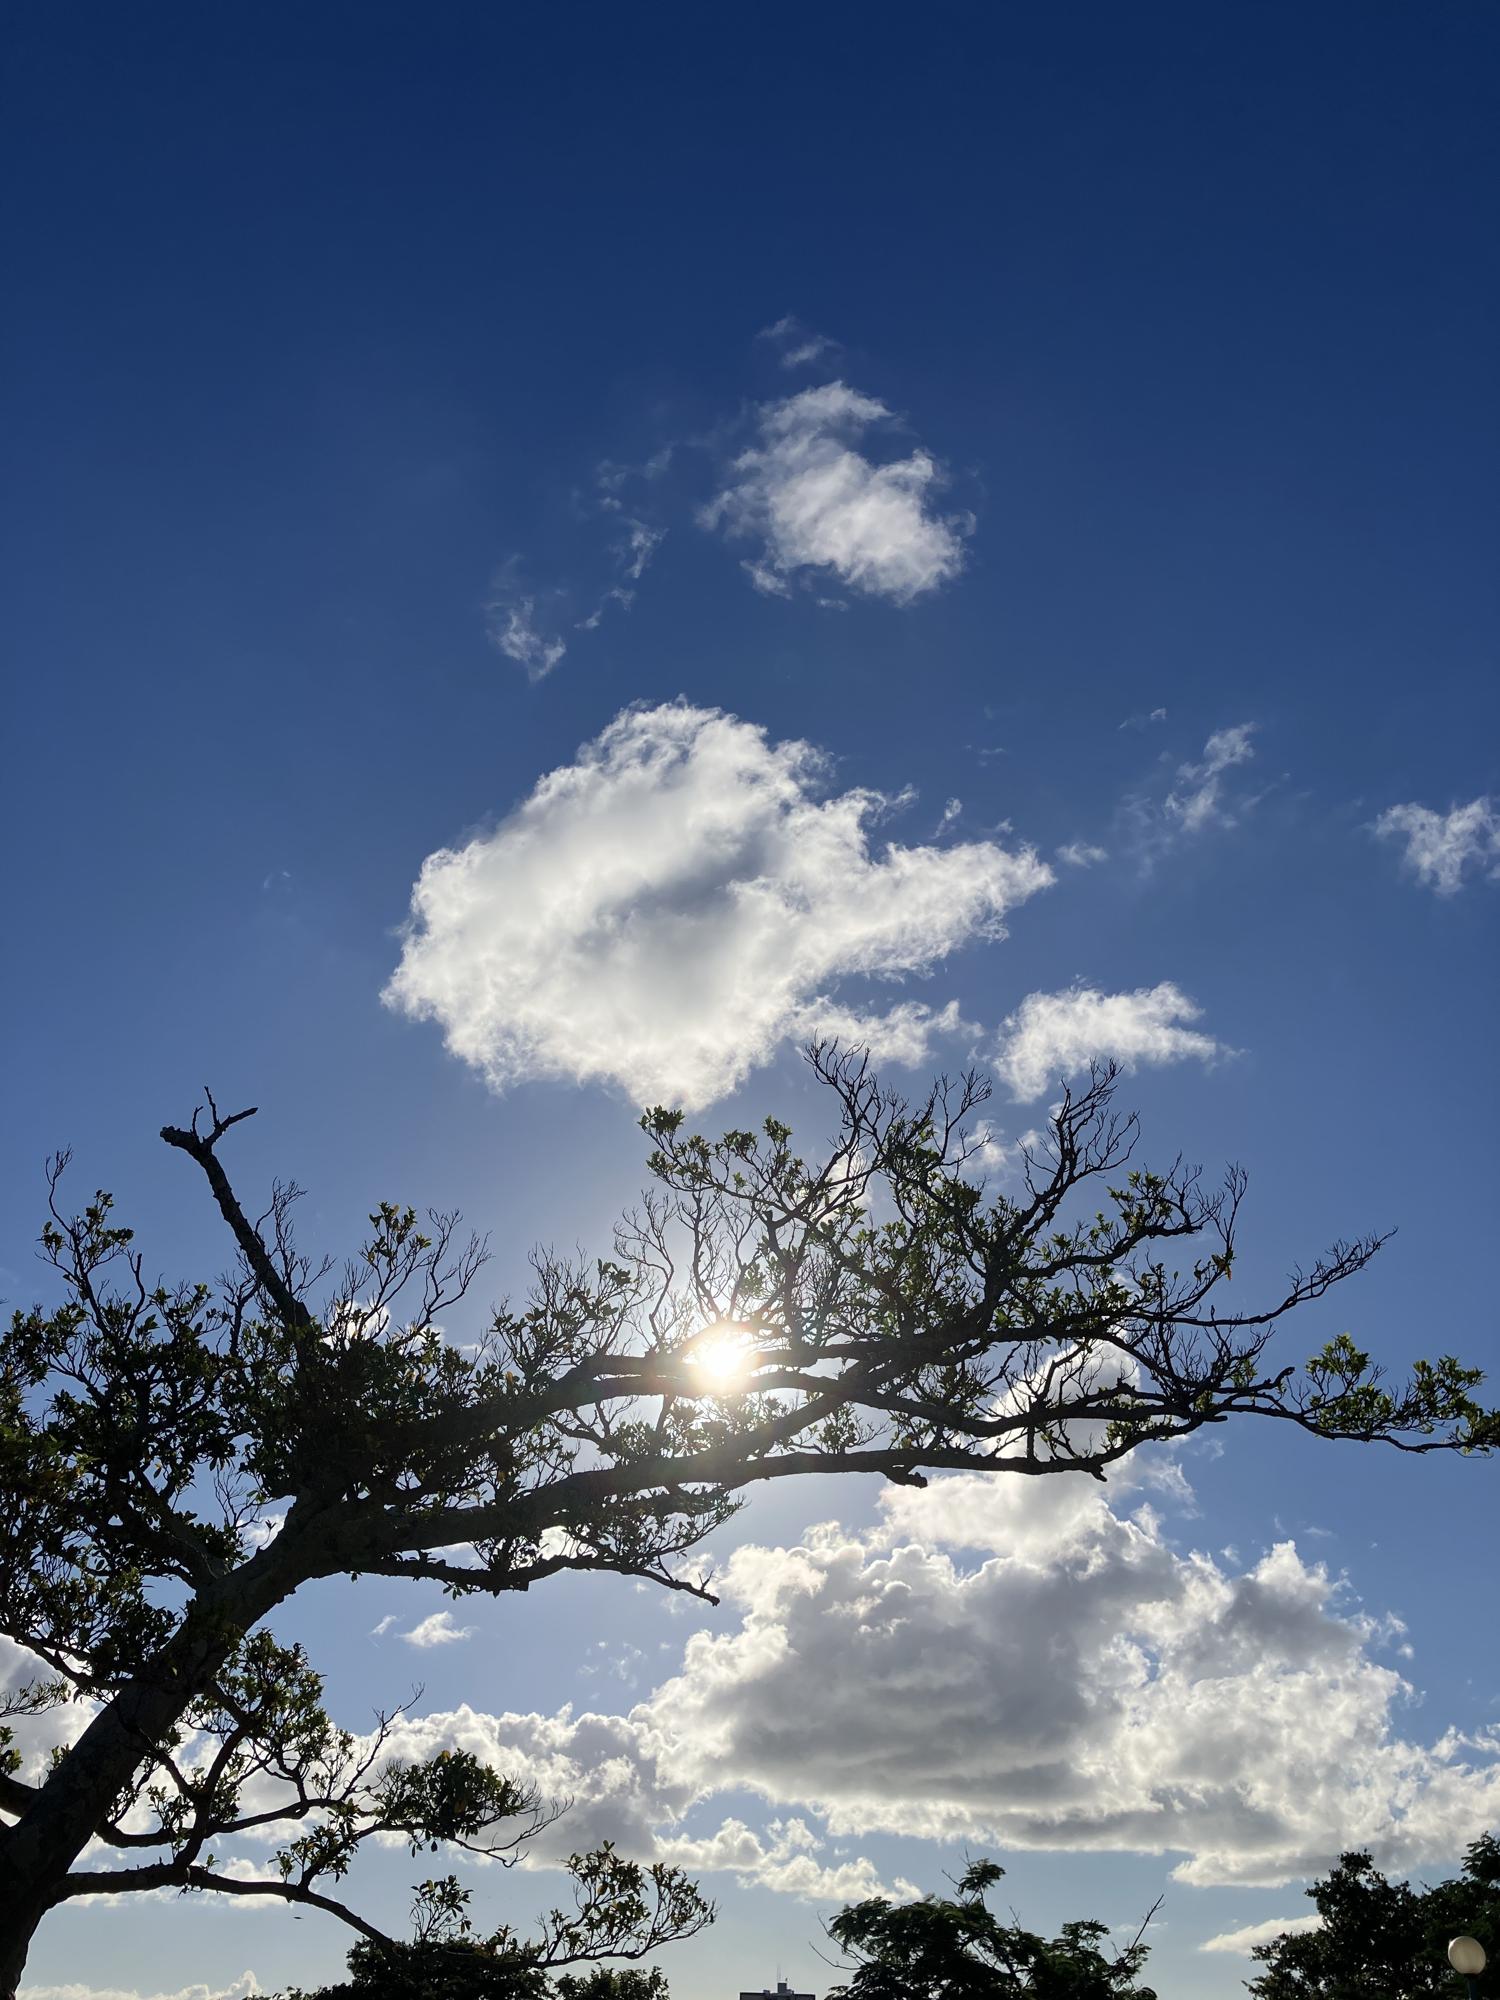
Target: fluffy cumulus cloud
(1443, 850)
(687, 896)
(1072, 1682)
(1012, 1663)
(1015, 1664)
(34, 1737)
(1051, 1035)
(783, 1858)
(813, 502)
(622, 1776)
(438, 1630)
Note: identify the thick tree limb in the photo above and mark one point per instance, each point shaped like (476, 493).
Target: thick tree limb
(171, 1875)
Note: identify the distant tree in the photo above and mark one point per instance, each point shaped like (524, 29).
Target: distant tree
(613, 1982)
(178, 1459)
(1382, 1940)
(448, 1959)
(956, 1948)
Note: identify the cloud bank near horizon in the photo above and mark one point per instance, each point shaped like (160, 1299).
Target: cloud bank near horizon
(1024, 1665)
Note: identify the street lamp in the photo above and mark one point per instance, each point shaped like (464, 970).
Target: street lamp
(1466, 1956)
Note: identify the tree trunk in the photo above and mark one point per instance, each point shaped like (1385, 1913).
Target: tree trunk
(17, 1928)
(37, 1852)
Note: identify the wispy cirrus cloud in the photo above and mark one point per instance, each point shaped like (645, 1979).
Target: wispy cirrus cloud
(1444, 850)
(518, 630)
(797, 345)
(1081, 854)
(1199, 797)
(1053, 1035)
(632, 552)
(534, 627)
(1185, 800)
(818, 507)
(680, 902)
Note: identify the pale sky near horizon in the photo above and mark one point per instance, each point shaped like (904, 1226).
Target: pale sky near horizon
(553, 555)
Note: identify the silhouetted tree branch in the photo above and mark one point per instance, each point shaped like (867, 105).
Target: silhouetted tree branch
(179, 1459)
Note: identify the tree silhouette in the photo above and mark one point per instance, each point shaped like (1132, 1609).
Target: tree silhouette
(180, 1458)
(956, 1948)
(1382, 1940)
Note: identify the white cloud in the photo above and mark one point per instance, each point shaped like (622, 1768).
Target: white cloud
(1202, 803)
(1080, 854)
(35, 1737)
(237, 1989)
(238, 1867)
(814, 502)
(438, 1630)
(1082, 1686)
(992, 1155)
(632, 555)
(379, 1631)
(513, 627)
(799, 346)
(261, 1532)
(618, 1771)
(1246, 1939)
(1013, 1663)
(533, 637)
(1055, 1034)
(783, 1859)
(677, 904)
(638, 547)
(903, 1034)
(1442, 848)
(614, 595)
(621, 1663)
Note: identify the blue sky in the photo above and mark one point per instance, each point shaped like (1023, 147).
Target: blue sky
(1122, 470)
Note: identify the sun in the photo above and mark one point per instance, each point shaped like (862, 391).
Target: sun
(722, 1356)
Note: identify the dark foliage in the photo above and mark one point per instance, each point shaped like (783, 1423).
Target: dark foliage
(1382, 1940)
(180, 1458)
(463, 1972)
(956, 1948)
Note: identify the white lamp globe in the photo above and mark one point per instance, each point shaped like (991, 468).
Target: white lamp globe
(1466, 1956)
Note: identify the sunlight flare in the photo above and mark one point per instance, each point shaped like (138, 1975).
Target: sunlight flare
(723, 1356)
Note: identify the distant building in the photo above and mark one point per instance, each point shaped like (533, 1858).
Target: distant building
(782, 1992)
